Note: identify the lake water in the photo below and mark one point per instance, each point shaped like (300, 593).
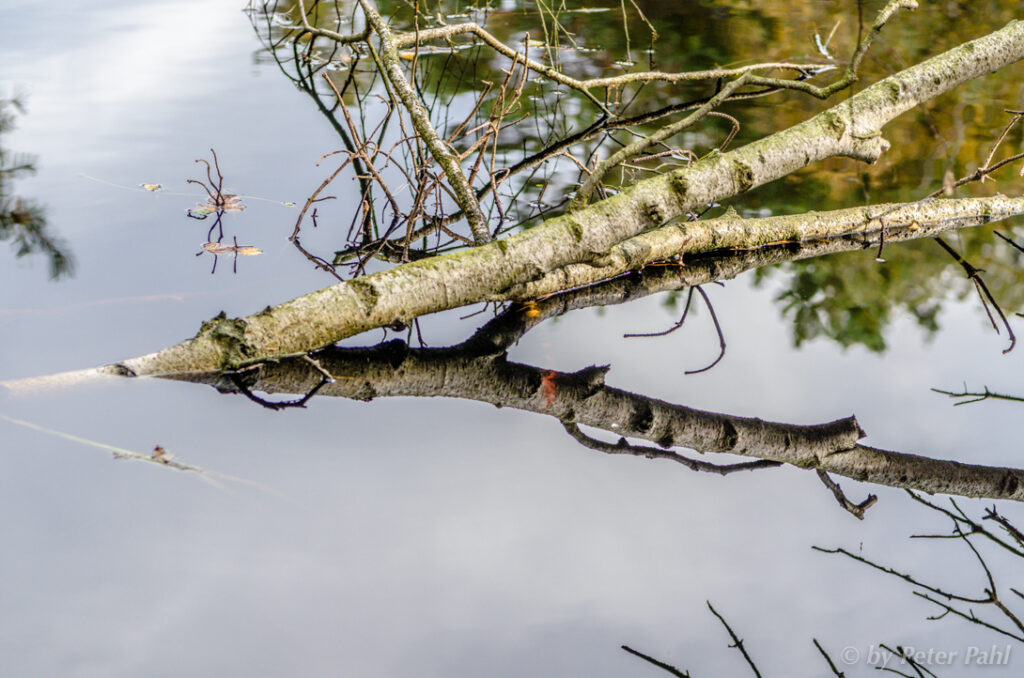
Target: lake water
(418, 536)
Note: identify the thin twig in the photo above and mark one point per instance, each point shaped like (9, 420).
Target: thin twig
(718, 330)
(975, 397)
(623, 447)
(737, 643)
(425, 129)
(236, 379)
(661, 665)
(974, 275)
(835, 671)
(679, 323)
(856, 509)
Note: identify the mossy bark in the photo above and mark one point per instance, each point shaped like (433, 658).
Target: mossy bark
(505, 268)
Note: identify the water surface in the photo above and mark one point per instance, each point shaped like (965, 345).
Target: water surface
(418, 536)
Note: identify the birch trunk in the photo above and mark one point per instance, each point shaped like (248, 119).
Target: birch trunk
(507, 268)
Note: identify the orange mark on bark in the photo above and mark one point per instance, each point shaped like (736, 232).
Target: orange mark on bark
(530, 309)
(548, 388)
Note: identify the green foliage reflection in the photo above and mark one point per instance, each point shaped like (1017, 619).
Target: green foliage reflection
(849, 298)
(23, 221)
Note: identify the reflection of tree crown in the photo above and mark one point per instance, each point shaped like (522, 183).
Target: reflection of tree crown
(23, 221)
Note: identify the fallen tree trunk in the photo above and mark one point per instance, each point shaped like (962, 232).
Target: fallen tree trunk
(697, 270)
(450, 281)
(507, 268)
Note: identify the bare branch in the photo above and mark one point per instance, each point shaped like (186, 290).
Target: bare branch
(976, 397)
(421, 121)
(974, 275)
(856, 509)
(835, 671)
(661, 665)
(737, 643)
(623, 447)
(638, 147)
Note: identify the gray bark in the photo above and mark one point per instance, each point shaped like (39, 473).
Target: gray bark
(470, 372)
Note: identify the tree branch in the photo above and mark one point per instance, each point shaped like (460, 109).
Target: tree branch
(421, 121)
(504, 269)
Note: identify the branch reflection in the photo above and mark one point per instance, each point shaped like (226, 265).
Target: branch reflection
(479, 369)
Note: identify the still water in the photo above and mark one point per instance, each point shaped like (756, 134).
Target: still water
(413, 537)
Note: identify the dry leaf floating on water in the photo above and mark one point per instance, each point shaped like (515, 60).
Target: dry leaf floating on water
(219, 248)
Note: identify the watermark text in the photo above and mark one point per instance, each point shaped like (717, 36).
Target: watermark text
(973, 655)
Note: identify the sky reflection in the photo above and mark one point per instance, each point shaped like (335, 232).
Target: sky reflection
(417, 537)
